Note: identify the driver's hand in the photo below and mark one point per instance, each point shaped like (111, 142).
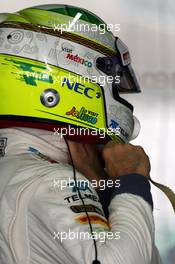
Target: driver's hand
(123, 159)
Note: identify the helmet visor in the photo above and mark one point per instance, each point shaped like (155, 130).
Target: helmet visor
(119, 67)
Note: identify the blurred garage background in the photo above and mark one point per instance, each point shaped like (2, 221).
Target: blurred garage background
(148, 28)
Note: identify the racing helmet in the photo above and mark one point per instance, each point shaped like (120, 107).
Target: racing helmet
(62, 66)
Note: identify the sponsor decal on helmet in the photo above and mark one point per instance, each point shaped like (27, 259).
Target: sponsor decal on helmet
(121, 119)
(79, 60)
(67, 47)
(3, 145)
(29, 75)
(115, 127)
(114, 124)
(83, 114)
(78, 88)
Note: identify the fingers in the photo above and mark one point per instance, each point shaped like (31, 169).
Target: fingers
(122, 159)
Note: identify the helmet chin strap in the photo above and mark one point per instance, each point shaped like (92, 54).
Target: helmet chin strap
(167, 191)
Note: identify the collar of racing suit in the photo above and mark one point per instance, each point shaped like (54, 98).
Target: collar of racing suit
(26, 140)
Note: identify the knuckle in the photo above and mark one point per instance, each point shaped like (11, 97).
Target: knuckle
(131, 147)
(140, 149)
(126, 147)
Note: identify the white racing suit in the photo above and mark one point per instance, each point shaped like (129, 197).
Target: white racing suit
(43, 223)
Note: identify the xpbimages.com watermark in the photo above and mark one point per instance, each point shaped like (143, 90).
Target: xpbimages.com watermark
(82, 27)
(101, 79)
(78, 25)
(82, 131)
(84, 185)
(71, 235)
(101, 28)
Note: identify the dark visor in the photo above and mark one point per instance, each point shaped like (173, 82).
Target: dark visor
(120, 66)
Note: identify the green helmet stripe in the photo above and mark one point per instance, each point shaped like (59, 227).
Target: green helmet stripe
(59, 17)
(86, 16)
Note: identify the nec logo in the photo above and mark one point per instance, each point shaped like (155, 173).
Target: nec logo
(78, 88)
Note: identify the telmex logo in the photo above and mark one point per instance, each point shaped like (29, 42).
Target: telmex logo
(78, 88)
